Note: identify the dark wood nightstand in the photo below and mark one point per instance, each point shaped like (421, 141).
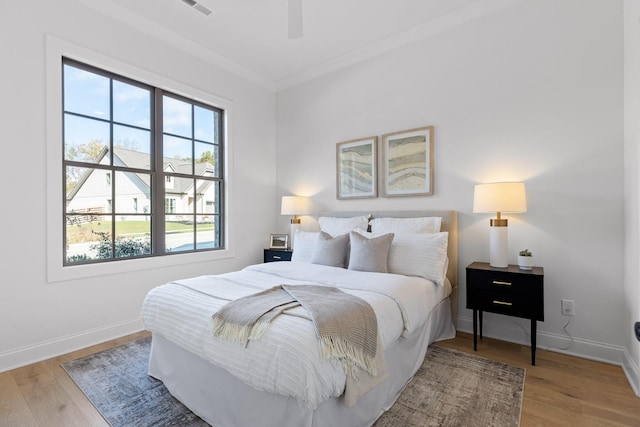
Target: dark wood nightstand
(272, 255)
(510, 291)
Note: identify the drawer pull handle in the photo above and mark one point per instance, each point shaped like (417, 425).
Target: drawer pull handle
(497, 282)
(502, 303)
(277, 257)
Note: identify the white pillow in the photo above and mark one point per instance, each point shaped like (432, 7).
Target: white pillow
(330, 251)
(422, 255)
(337, 226)
(406, 225)
(369, 254)
(304, 244)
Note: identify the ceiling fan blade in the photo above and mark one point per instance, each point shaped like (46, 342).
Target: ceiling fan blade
(295, 19)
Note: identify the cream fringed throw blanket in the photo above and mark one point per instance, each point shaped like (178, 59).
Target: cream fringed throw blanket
(346, 327)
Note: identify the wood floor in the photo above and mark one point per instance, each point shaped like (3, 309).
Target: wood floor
(559, 391)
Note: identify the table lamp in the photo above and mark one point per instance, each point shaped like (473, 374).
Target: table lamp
(294, 205)
(499, 197)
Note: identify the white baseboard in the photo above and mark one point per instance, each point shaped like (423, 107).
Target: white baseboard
(632, 372)
(56, 347)
(514, 332)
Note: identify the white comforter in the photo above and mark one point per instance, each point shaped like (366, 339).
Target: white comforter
(286, 360)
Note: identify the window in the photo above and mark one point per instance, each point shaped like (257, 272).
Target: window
(170, 206)
(126, 145)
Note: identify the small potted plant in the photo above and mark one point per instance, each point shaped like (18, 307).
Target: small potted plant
(525, 259)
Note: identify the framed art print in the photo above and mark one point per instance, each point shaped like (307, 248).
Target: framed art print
(408, 162)
(278, 241)
(356, 168)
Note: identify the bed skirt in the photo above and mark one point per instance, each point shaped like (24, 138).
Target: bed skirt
(224, 401)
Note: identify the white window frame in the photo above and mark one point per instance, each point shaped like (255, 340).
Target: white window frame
(56, 49)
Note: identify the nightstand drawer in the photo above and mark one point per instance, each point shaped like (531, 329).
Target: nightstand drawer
(273, 255)
(508, 303)
(514, 284)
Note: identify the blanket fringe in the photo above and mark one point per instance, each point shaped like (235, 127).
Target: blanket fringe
(235, 333)
(354, 358)
(258, 330)
(238, 334)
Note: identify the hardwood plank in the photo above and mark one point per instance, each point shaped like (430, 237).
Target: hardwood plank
(14, 411)
(610, 405)
(75, 394)
(532, 420)
(551, 393)
(604, 417)
(49, 403)
(549, 415)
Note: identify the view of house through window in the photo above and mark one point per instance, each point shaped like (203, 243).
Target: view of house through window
(143, 169)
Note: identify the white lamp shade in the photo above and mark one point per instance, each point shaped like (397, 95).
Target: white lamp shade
(499, 197)
(294, 205)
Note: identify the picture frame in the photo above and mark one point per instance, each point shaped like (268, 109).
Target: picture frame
(279, 241)
(357, 168)
(408, 162)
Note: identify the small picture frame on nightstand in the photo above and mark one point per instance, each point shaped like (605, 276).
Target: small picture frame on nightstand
(279, 241)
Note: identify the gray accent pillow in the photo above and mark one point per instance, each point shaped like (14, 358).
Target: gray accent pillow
(369, 254)
(330, 251)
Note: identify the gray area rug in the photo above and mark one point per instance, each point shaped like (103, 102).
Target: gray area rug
(117, 384)
(453, 388)
(450, 389)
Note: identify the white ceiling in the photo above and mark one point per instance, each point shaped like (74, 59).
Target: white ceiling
(250, 36)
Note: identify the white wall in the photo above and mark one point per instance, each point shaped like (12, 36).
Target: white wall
(39, 319)
(533, 92)
(632, 182)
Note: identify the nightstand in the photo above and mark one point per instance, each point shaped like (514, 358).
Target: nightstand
(509, 291)
(272, 255)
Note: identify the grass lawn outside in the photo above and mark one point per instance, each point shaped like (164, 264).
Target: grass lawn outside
(85, 232)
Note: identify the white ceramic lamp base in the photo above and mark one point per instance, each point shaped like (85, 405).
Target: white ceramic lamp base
(498, 240)
(294, 226)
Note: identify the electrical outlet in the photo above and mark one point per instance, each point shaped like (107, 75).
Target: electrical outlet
(567, 307)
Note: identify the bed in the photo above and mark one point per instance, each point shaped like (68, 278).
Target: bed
(282, 379)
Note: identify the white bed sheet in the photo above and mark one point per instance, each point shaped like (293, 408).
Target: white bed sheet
(286, 361)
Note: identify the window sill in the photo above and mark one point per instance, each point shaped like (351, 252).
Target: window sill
(58, 273)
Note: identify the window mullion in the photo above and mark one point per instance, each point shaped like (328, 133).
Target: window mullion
(158, 185)
(193, 176)
(221, 141)
(114, 203)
